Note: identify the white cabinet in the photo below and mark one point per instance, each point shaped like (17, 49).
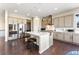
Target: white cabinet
(11, 21)
(58, 36)
(69, 21)
(76, 38)
(61, 22)
(68, 36)
(51, 39)
(64, 21)
(55, 35)
(61, 36)
(56, 22)
(20, 21)
(24, 21)
(15, 21)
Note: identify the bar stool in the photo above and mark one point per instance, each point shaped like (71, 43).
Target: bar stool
(27, 36)
(24, 37)
(31, 45)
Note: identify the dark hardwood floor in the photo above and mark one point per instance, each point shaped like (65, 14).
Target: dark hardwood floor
(62, 48)
(17, 47)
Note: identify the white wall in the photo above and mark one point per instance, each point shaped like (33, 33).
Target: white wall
(2, 24)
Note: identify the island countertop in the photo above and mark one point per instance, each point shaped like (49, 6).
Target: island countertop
(44, 39)
(38, 33)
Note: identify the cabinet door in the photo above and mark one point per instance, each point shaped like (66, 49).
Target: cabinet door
(69, 21)
(15, 21)
(68, 37)
(51, 39)
(11, 21)
(56, 22)
(20, 21)
(60, 36)
(61, 21)
(24, 21)
(55, 36)
(76, 38)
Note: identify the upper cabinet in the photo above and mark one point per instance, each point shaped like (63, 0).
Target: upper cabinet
(19, 21)
(56, 21)
(24, 21)
(64, 21)
(69, 21)
(61, 22)
(15, 21)
(11, 21)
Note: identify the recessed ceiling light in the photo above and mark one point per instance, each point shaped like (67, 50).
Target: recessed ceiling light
(55, 8)
(39, 10)
(28, 14)
(15, 11)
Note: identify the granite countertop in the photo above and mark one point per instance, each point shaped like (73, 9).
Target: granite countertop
(38, 33)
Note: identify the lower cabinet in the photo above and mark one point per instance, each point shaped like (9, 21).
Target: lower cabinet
(51, 39)
(61, 36)
(55, 35)
(68, 37)
(58, 35)
(76, 38)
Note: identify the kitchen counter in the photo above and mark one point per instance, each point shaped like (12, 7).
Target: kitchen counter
(38, 33)
(67, 36)
(44, 40)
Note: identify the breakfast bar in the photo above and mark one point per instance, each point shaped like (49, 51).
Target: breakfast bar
(44, 40)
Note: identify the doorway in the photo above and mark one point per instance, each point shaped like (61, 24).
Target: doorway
(28, 25)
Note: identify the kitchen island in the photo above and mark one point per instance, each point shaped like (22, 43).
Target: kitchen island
(44, 40)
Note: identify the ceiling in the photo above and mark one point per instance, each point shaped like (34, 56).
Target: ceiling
(37, 9)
